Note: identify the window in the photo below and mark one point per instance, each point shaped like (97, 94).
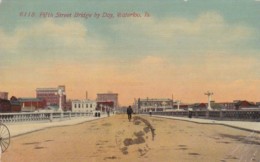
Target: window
(90, 105)
(75, 105)
(79, 105)
(86, 105)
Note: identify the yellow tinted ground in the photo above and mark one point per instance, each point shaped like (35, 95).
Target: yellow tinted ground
(115, 139)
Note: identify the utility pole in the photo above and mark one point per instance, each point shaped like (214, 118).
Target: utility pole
(209, 94)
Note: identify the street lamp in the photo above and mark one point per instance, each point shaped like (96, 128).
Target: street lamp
(209, 94)
(60, 93)
(178, 104)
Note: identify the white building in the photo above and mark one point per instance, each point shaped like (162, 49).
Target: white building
(154, 104)
(85, 105)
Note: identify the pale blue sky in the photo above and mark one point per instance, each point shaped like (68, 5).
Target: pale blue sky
(192, 46)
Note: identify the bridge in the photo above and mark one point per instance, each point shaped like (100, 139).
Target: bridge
(160, 137)
(238, 115)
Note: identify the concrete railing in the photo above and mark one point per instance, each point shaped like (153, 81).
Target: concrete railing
(246, 115)
(40, 116)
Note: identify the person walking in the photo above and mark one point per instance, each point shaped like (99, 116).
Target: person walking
(129, 111)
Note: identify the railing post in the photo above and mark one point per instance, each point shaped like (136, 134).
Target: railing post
(51, 117)
(61, 115)
(207, 114)
(196, 114)
(220, 114)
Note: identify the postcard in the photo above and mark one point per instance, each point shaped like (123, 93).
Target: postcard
(172, 52)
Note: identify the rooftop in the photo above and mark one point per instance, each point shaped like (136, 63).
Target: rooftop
(28, 99)
(155, 99)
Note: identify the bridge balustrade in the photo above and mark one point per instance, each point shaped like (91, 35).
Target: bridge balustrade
(246, 115)
(40, 116)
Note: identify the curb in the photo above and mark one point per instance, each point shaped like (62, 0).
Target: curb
(227, 125)
(53, 126)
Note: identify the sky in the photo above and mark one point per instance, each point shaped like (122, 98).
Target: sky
(177, 47)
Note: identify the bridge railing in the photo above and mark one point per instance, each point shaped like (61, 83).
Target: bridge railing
(246, 115)
(40, 116)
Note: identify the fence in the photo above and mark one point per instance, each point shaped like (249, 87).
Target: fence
(246, 115)
(40, 116)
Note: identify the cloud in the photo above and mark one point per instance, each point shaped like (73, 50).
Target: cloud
(209, 29)
(43, 54)
(50, 39)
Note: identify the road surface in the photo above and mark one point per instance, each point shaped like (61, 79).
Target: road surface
(145, 139)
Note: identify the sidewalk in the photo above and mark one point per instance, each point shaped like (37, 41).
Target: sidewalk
(17, 129)
(243, 125)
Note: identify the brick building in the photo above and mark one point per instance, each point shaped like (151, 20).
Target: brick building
(108, 97)
(244, 105)
(105, 106)
(15, 105)
(238, 104)
(32, 104)
(12, 105)
(68, 105)
(51, 96)
(5, 105)
(4, 95)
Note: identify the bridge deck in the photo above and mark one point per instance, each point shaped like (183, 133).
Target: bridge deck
(117, 139)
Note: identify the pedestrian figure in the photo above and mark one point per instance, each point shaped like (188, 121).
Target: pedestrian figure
(129, 111)
(190, 114)
(150, 112)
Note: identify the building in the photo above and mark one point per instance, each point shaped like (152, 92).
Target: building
(257, 104)
(238, 105)
(15, 105)
(105, 106)
(227, 105)
(21, 104)
(83, 105)
(68, 105)
(32, 104)
(5, 105)
(108, 97)
(244, 105)
(199, 106)
(4, 95)
(182, 106)
(51, 95)
(154, 104)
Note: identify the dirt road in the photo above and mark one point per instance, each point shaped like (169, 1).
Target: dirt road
(145, 139)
